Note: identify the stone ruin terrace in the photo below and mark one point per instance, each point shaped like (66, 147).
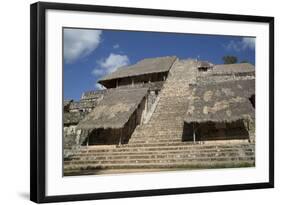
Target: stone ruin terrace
(163, 114)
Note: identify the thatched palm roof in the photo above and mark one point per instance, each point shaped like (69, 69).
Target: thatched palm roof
(234, 68)
(146, 66)
(114, 110)
(222, 102)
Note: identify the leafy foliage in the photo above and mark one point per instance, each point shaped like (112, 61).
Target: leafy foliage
(244, 61)
(229, 59)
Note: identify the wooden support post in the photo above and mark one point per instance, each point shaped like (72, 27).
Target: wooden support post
(194, 135)
(120, 139)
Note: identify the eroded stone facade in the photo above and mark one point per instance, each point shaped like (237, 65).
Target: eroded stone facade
(160, 117)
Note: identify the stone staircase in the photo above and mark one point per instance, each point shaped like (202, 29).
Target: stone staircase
(175, 155)
(166, 123)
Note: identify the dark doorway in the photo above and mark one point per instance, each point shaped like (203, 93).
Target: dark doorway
(253, 100)
(215, 131)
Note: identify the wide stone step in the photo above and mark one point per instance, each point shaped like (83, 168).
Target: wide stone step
(144, 135)
(185, 148)
(176, 104)
(163, 148)
(177, 101)
(164, 125)
(198, 145)
(138, 156)
(168, 121)
(168, 127)
(153, 162)
(170, 110)
(167, 116)
(81, 169)
(171, 92)
(157, 151)
(173, 102)
(175, 88)
(176, 123)
(157, 134)
(161, 129)
(173, 118)
(141, 136)
(167, 152)
(185, 95)
(171, 126)
(156, 144)
(153, 141)
(149, 136)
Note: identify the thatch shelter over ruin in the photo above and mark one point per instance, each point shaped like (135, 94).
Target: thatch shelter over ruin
(221, 105)
(114, 110)
(115, 116)
(147, 70)
(225, 72)
(234, 68)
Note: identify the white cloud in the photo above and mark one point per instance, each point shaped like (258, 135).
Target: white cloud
(249, 43)
(245, 43)
(110, 64)
(98, 71)
(114, 61)
(99, 86)
(79, 43)
(116, 46)
(232, 45)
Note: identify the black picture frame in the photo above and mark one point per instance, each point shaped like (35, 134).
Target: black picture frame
(38, 101)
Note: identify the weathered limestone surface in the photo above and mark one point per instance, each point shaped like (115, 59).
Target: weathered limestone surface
(158, 142)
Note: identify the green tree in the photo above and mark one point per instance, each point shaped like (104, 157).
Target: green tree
(244, 61)
(229, 59)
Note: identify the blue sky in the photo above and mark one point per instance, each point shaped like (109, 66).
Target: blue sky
(90, 54)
